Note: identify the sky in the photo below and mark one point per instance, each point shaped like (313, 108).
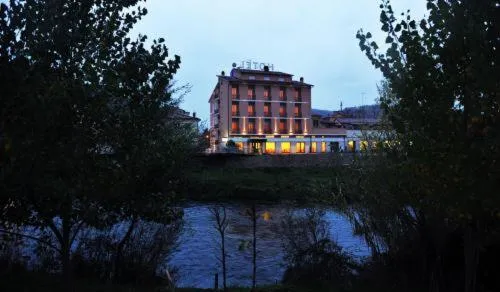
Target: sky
(314, 39)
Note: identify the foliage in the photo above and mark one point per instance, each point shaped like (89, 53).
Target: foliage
(230, 144)
(84, 118)
(313, 259)
(441, 99)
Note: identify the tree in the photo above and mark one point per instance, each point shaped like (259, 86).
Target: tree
(84, 119)
(446, 112)
(221, 224)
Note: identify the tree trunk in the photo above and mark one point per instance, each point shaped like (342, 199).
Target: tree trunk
(223, 262)
(471, 256)
(254, 260)
(66, 255)
(119, 250)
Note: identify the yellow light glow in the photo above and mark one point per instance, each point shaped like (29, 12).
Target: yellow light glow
(313, 147)
(350, 146)
(323, 147)
(300, 147)
(270, 147)
(285, 147)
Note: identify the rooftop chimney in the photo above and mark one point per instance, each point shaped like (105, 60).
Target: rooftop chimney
(194, 113)
(301, 79)
(223, 73)
(266, 68)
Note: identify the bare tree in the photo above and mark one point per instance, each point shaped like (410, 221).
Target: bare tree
(221, 223)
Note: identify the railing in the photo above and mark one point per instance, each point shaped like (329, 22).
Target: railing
(268, 114)
(251, 114)
(237, 96)
(298, 99)
(252, 97)
(298, 115)
(235, 113)
(282, 114)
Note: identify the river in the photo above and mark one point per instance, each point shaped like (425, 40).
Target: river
(196, 257)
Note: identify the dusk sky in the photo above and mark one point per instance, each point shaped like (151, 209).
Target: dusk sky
(314, 39)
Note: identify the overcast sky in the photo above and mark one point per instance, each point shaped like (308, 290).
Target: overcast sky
(314, 39)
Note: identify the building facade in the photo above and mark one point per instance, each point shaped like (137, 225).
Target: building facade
(263, 111)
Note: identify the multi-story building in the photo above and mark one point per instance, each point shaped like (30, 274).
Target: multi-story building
(264, 111)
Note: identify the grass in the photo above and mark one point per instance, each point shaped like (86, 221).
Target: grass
(263, 184)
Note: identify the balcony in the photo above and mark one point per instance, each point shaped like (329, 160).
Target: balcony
(237, 96)
(251, 114)
(252, 97)
(297, 99)
(283, 115)
(235, 114)
(267, 114)
(298, 115)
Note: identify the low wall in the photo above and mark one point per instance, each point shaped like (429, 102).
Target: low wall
(254, 161)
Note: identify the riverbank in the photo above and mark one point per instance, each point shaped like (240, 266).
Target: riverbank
(301, 185)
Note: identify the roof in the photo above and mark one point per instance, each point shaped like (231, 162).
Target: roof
(293, 82)
(262, 72)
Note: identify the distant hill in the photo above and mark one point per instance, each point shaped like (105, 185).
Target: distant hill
(372, 111)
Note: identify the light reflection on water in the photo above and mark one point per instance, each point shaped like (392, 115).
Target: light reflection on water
(197, 254)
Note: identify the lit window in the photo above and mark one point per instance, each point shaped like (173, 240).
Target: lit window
(282, 93)
(235, 126)
(298, 127)
(251, 109)
(251, 92)
(298, 93)
(234, 91)
(297, 110)
(235, 111)
(364, 145)
(239, 145)
(267, 126)
(285, 147)
(267, 109)
(267, 92)
(323, 147)
(251, 126)
(301, 147)
(282, 127)
(313, 147)
(270, 147)
(351, 146)
(282, 109)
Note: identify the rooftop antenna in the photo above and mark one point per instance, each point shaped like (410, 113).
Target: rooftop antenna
(340, 105)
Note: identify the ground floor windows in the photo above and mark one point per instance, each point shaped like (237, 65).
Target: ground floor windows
(270, 147)
(313, 147)
(351, 146)
(323, 147)
(285, 147)
(301, 147)
(364, 145)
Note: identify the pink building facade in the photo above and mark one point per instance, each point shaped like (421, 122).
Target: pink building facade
(264, 111)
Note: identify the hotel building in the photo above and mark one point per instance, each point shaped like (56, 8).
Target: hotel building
(265, 111)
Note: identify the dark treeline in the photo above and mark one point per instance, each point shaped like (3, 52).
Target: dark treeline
(429, 207)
